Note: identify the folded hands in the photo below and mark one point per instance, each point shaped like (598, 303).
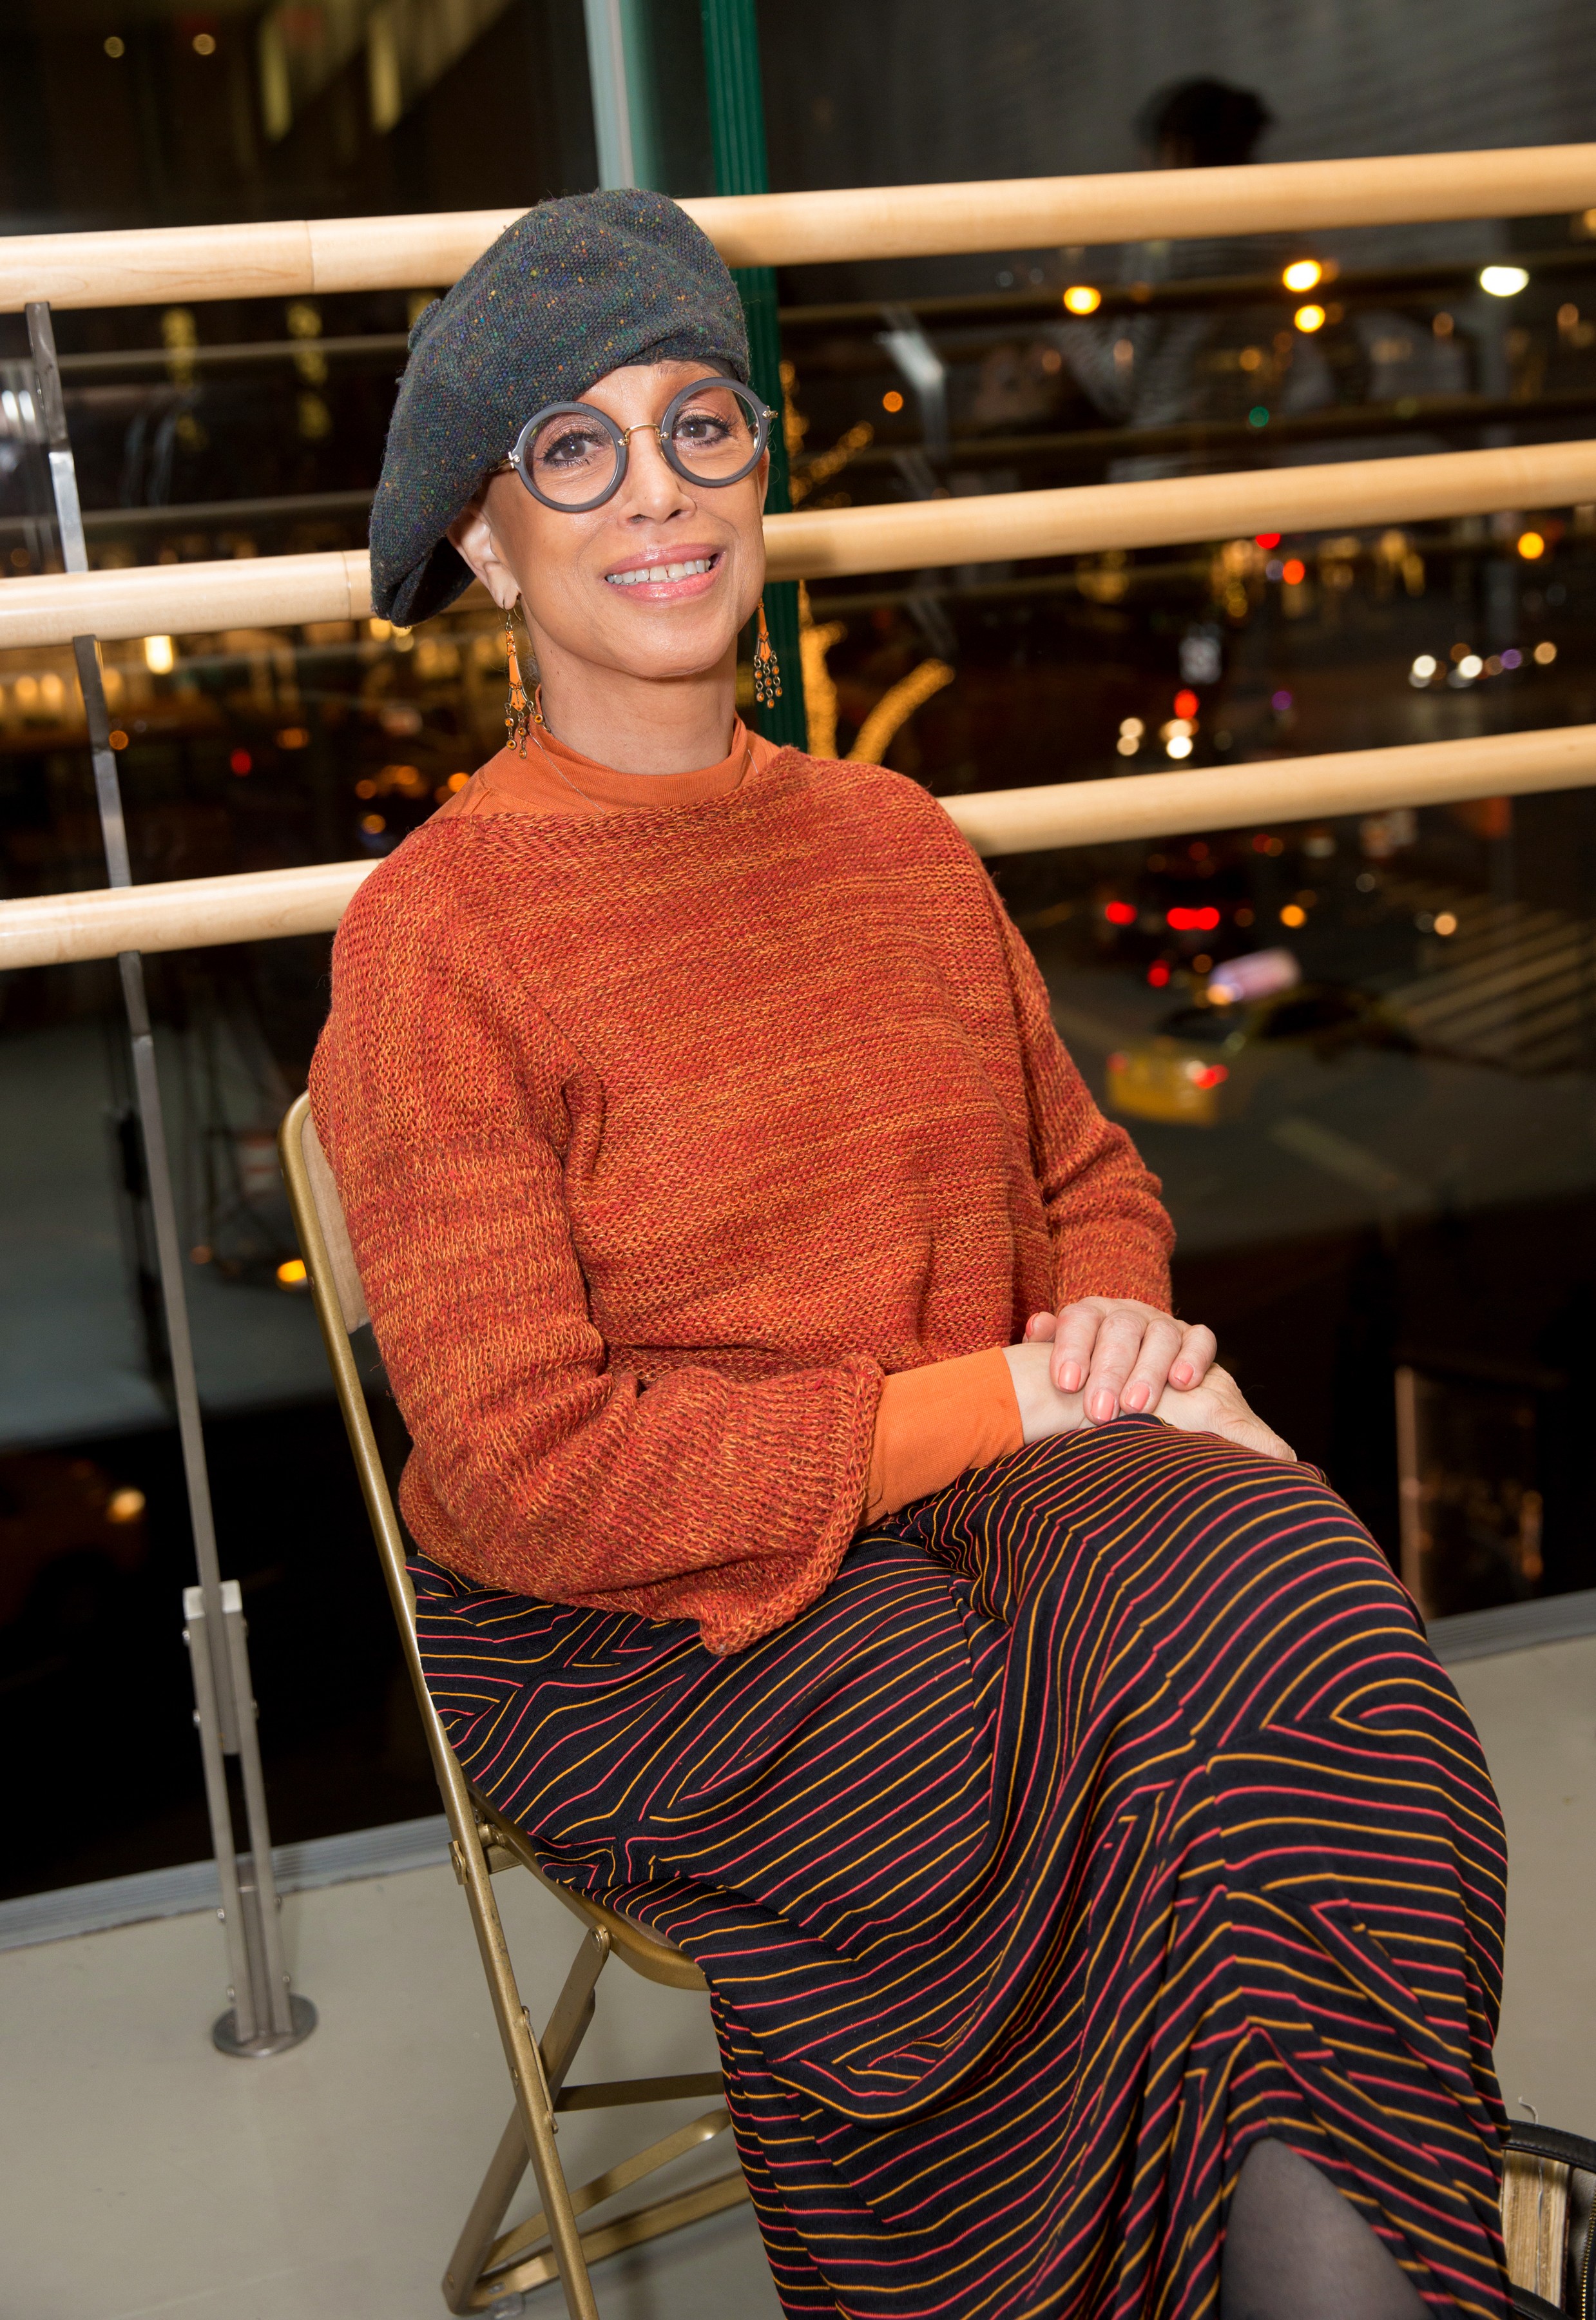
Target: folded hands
(1102, 1355)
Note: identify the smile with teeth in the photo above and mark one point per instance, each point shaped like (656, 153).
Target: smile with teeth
(657, 572)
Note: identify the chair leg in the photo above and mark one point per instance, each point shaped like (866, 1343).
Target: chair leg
(567, 2027)
(486, 2267)
(524, 2260)
(534, 2103)
(499, 2187)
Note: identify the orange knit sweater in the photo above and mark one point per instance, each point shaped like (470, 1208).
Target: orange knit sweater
(663, 1135)
(932, 1423)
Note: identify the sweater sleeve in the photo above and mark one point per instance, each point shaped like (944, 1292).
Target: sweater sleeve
(1110, 1232)
(537, 1467)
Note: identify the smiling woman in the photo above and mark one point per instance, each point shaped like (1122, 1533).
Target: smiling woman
(832, 1549)
(619, 501)
(628, 527)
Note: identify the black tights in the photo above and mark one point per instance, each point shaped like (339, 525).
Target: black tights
(1296, 2249)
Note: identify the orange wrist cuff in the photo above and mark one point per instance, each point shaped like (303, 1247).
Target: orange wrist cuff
(934, 1424)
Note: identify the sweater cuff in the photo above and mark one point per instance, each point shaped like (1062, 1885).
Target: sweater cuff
(934, 1424)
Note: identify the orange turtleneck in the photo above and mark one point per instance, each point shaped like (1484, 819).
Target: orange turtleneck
(932, 1424)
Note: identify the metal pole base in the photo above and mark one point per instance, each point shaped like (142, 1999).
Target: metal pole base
(225, 2032)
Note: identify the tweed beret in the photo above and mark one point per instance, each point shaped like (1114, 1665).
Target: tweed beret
(574, 289)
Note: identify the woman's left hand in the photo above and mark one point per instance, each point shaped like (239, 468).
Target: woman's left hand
(1119, 1353)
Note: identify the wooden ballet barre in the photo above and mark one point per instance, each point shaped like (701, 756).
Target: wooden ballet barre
(256, 906)
(319, 256)
(258, 591)
(1282, 789)
(1077, 519)
(275, 591)
(177, 914)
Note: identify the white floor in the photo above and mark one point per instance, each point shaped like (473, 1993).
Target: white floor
(1536, 1713)
(141, 2173)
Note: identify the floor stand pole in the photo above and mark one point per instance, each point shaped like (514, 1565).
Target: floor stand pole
(264, 2015)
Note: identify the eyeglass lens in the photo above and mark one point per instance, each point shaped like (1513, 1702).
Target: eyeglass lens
(712, 435)
(574, 460)
(571, 458)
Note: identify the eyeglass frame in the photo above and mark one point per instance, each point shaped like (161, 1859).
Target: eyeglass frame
(516, 459)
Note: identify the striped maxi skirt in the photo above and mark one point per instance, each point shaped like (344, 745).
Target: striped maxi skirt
(1108, 1812)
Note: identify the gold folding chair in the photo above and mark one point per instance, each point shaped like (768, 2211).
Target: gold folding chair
(490, 2267)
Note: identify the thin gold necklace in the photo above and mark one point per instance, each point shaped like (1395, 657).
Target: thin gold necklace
(540, 721)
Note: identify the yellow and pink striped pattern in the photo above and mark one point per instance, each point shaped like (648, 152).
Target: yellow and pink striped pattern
(1107, 1812)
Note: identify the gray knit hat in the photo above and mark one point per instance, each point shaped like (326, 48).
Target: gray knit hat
(573, 290)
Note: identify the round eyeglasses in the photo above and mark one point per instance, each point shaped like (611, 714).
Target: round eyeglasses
(573, 457)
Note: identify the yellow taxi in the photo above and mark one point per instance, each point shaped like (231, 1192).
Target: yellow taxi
(1203, 1063)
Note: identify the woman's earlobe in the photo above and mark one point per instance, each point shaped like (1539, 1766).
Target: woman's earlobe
(471, 537)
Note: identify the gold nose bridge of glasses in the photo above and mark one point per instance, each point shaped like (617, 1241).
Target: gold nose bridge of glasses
(644, 427)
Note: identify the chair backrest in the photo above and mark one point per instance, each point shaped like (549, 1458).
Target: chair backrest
(335, 1232)
(341, 1309)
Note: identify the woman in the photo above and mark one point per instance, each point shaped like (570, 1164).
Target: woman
(831, 1549)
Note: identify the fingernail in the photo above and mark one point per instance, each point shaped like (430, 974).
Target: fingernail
(1181, 1374)
(1134, 1397)
(1102, 1407)
(1071, 1378)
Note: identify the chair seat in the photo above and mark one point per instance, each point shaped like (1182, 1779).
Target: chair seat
(644, 1950)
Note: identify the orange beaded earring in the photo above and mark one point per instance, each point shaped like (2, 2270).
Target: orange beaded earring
(518, 714)
(768, 669)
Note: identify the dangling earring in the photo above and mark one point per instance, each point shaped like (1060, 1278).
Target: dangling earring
(768, 669)
(518, 714)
